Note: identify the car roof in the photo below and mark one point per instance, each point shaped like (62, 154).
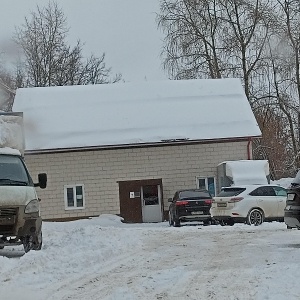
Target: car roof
(194, 190)
(251, 186)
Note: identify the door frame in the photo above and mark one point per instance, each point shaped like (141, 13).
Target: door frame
(131, 208)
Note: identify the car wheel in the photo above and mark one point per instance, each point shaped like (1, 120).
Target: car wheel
(206, 222)
(213, 222)
(27, 243)
(176, 223)
(230, 222)
(255, 217)
(171, 222)
(222, 223)
(289, 227)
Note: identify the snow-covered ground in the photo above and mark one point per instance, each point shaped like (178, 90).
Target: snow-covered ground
(103, 258)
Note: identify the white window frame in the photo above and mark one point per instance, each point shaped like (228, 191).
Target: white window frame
(74, 194)
(206, 181)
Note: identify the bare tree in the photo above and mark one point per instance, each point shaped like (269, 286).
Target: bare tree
(192, 48)
(282, 81)
(49, 60)
(234, 38)
(214, 38)
(249, 25)
(275, 143)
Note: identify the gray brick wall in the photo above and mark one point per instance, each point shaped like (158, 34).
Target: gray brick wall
(100, 170)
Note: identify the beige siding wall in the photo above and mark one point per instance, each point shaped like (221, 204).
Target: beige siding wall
(100, 171)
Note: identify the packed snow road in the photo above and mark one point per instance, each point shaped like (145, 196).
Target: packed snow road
(105, 259)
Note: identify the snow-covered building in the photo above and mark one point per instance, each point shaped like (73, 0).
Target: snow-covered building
(125, 148)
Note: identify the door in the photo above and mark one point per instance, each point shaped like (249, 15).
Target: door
(130, 201)
(151, 203)
(141, 200)
(267, 200)
(281, 198)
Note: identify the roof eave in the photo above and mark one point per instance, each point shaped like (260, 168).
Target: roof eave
(141, 145)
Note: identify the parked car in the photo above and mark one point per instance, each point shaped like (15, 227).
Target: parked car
(292, 209)
(250, 204)
(190, 205)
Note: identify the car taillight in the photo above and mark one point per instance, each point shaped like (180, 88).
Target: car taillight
(178, 203)
(236, 199)
(208, 201)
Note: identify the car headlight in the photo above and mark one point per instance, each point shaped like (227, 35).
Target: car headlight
(32, 207)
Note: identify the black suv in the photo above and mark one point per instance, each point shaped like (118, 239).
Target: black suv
(292, 209)
(190, 205)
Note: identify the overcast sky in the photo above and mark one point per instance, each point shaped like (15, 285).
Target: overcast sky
(124, 29)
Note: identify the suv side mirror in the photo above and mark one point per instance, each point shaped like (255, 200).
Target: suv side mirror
(42, 181)
(170, 200)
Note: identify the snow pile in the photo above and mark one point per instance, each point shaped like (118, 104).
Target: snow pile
(67, 248)
(103, 258)
(284, 182)
(11, 132)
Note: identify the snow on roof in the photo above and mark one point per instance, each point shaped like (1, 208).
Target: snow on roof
(245, 172)
(11, 132)
(134, 113)
(10, 151)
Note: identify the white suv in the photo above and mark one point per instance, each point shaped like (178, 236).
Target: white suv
(251, 204)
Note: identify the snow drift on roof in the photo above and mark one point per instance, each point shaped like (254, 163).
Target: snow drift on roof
(134, 113)
(11, 133)
(244, 172)
(11, 151)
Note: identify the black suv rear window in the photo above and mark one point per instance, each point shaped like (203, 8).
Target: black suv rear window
(229, 192)
(194, 195)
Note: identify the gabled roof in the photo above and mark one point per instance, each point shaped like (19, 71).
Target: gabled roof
(134, 113)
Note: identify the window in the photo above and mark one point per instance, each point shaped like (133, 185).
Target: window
(150, 194)
(231, 192)
(191, 194)
(263, 191)
(74, 197)
(207, 183)
(12, 168)
(280, 191)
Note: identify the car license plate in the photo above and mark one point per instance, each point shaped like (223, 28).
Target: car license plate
(290, 196)
(197, 212)
(222, 204)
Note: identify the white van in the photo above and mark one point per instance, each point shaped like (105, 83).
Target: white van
(20, 219)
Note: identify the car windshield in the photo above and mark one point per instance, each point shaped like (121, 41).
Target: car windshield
(230, 192)
(194, 195)
(12, 171)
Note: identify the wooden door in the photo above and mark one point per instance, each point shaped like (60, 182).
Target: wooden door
(131, 199)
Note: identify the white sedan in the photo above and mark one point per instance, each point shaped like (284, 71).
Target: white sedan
(251, 204)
